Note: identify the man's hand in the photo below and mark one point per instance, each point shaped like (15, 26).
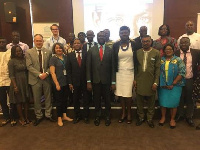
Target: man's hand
(89, 86)
(154, 87)
(134, 84)
(71, 87)
(113, 87)
(58, 87)
(42, 76)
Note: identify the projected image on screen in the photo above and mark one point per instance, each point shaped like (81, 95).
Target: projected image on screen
(112, 14)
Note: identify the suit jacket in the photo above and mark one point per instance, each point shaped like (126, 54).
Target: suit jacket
(33, 65)
(85, 46)
(100, 71)
(195, 60)
(116, 51)
(146, 79)
(76, 74)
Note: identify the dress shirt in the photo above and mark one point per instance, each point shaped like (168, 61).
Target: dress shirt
(102, 46)
(189, 72)
(146, 53)
(77, 53)
(48, 44)
(92, 44)
(194, 40)
(4, 74)
(23, 46)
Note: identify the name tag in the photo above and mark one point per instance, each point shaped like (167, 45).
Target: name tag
(64, 72)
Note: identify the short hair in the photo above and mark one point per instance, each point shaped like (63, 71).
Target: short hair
(59, 44)
(101, 32)
(54, 25)
(81, 33)
(38, 35)
(172, 46)
(13, 51)
(76, 39)
(168, 29)
(146, 36)
(124, 28)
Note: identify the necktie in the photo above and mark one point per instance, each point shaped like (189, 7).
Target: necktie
(90, 45)
(79, 59)
(40, 61)
(101, 52)
(185, 58)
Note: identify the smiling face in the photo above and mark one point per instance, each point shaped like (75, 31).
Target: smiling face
(77, 45)
(15, 37)
(18, 52)
(38, 41)
(101, 38)
(90, 35)
(189, 27)
(163, 30)
(55, 30)
(169, 52)
(184, 44)
(124, 35)
(58, 50)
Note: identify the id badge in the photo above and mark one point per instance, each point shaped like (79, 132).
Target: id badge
(64, 72)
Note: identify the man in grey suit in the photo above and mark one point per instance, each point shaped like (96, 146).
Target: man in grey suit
(37, 62)
(100, 76)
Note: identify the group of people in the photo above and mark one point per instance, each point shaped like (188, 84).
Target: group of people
(163, 68)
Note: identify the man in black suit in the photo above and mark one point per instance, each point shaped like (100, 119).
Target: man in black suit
(76, 69)
(100, 76)
(191, 59)
(90, 37)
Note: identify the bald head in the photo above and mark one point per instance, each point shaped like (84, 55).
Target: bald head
(189, 27)
(143, 31)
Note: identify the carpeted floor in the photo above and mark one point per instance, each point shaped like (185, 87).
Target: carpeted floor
(81, 136)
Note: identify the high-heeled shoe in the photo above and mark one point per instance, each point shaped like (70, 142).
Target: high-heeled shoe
(129, 121)
(172, 126)
(121, 120)
(27, 121)
(161, 124)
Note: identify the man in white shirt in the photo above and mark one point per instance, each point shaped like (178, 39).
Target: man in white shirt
(4, 80)
(16, 41)
(55, 38)
(194, 37)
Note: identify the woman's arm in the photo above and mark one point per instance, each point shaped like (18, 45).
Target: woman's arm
(53, 75)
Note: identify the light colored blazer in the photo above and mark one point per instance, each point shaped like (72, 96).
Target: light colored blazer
(33, 65)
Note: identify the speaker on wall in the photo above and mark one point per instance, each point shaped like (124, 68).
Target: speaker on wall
(10, 12)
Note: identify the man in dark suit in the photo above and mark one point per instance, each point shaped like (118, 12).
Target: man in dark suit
(37, 62)
(90, 43)
(191, 59)
(76, 69)
(100, 76)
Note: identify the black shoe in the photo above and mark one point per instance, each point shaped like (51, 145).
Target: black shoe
(190, 122)
(139, 122)
(50, 119)
(172, 127)
(37, 121)
(150, 123)
(77, 119)
(107, 122)
(198, 127)
(121, 120)
(97, 121)
(86, 120)
(179, 118)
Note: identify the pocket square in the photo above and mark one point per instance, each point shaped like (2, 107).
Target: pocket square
(152, 58)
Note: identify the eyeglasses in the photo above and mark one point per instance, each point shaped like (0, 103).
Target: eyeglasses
(54, 29)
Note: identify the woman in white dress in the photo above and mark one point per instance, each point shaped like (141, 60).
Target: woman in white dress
(124, 54)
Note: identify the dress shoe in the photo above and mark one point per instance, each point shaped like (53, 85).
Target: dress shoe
(107, 122)
(97, 121)
(150, 123)
(198, 127)
(77, 119)
(139, 122)
(4, 122)
(37, 121)
(190, 122)
(121, 120)
(86, 120)
(179, 118)
(50, 119)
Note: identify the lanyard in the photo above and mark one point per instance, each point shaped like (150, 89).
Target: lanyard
(62, 61)
(57, 39)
